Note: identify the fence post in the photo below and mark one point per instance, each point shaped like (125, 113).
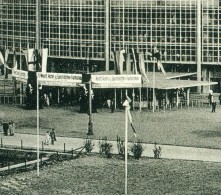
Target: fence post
(8, 161)
(72, 152)
(8, 165)
(1, 142)
(25, 162)
(42, 145)
(57, 155)
(21, 144)
(41, 158)
(64, 147)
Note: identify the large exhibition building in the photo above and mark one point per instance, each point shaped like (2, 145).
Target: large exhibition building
(82, 32)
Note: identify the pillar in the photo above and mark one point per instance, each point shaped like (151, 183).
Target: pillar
(177, 97)
(198, 43)
(188, 97)
(107, 46)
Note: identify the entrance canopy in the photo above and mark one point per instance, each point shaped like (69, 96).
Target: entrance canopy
(171, 80)
(108, 79)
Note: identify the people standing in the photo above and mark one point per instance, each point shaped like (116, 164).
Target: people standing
(11, 128)
(5, 127)
(210, 98)
(213, 106)
(53, 136)
(112, 106)
(108, 103)
(220, 99)
(47, 138)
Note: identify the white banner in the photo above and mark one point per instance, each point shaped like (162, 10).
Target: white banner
(59, 79)
(116, 81)
(20, 75)
(44, 54)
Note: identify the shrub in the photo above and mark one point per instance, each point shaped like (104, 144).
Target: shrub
(137, 149)
(88, 145)
(157, 151)
(105, 147)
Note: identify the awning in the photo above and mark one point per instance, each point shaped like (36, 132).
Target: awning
(168, 81)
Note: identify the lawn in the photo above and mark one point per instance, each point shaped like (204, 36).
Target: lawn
(95, 175)
(187, 127)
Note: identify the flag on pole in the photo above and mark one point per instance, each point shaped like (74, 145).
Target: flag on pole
(160, 67)
(119, 60)
(2, 61)
(6, 55)
(157, 54)
(135, 61)
(141, 66)
(14, 60)
(127, 106)
(44, 57)
(8, 59)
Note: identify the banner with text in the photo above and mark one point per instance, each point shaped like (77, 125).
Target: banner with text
(20, 75)
(59, 79)
(116, 81)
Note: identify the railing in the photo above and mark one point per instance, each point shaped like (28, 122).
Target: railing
(11, 99)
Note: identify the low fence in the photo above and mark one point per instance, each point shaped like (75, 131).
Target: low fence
(11, 99)
(43, 155)
(183, 104)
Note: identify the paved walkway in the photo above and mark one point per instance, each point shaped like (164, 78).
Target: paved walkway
(67, 144)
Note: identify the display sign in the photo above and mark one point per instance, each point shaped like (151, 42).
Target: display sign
(20, 75)
(116, 81)
(59, 79)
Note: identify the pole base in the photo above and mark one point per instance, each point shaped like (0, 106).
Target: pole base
(90, 128)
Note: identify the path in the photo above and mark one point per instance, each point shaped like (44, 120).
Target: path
(67, 144)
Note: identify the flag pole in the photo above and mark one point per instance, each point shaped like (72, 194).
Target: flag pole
(37, 128)
(126, 141)
(153, 86)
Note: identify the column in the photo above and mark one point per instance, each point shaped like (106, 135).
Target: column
(198, 43)
(177, 97)
(107, 46)
(188, 97)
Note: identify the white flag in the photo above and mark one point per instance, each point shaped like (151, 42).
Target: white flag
(127, 106)
(160, 67)
(141, 66)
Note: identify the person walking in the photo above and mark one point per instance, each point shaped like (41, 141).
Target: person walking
(112, 106)
(53, 136)
(213, 106)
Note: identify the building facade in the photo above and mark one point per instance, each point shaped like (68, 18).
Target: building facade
(78, 32)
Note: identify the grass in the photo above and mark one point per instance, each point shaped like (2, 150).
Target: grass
(196, 127)
(96, 175)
